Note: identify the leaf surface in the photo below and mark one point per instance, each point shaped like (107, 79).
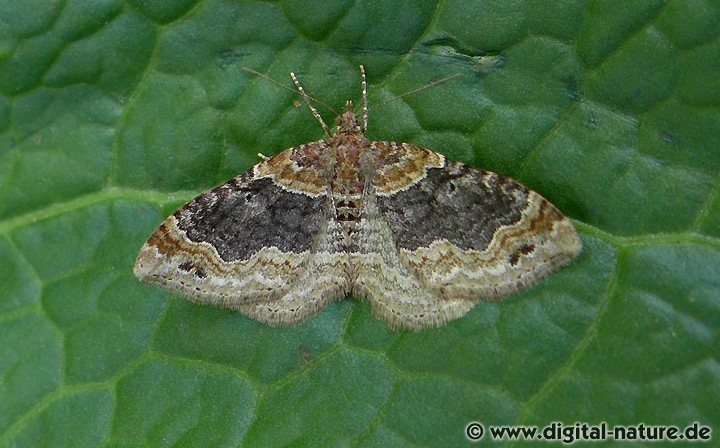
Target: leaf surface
(114, 113)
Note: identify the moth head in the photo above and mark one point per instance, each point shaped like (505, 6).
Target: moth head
(347, 123)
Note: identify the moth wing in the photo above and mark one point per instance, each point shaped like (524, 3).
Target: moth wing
(250, 242)
(475, 234)
(461, 235)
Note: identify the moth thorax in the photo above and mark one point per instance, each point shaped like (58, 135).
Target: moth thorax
(347, 122)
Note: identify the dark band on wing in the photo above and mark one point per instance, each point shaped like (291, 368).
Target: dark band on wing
(453, 203)
(240, 218)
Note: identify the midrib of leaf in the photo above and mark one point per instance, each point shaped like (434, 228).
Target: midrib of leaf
(106, 195)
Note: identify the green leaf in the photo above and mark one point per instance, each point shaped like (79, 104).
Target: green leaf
(114, 113)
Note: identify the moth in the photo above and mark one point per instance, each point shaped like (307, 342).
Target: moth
(421, 237)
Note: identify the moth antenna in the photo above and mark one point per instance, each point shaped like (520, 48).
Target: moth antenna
(307, 101)
(419, 89)
(365, 100)
(294, 91)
